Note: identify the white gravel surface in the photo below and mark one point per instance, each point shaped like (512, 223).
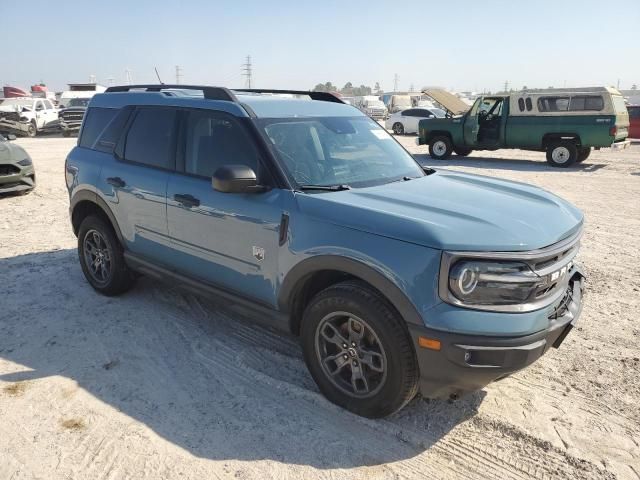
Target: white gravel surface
(162, 384)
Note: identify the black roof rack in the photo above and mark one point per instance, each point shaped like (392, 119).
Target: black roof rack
(222, 93)
(322, 96)
(210, 93)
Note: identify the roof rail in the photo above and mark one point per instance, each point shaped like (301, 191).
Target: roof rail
(210, 93)
(322, 96)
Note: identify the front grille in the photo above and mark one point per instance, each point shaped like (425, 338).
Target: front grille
(10, 116)
(8, 170)
(72, 116)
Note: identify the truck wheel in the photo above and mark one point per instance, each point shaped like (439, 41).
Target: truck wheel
(398, 128)
(101, 257)
(358, 350)
(440, 148)
(66, 133)
(583, 154)
(462, 151)
(32, 131)
(562, 154)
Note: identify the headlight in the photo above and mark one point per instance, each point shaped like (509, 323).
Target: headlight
(474, 282)
(26, 162)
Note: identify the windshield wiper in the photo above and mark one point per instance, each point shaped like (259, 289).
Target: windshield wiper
(329, 188)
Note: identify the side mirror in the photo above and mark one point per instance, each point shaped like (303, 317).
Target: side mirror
(236, 179)
(11, 136)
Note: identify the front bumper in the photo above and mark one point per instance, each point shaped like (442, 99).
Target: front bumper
(467, 363)
(12, 126)
(24, 179)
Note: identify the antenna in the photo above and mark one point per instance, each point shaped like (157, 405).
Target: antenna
(178, 74)
(158, 75)
(246, 72)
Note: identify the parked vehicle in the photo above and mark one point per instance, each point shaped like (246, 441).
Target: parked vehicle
(634, 121)
(79, 90)
(565, 123)
(406, 121)
(17, 174)
(71, 117)
(397, 278)
(397, 103)
(372, 106)
(27, 115)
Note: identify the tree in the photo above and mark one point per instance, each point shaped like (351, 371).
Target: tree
(377, 88)
(319, 88)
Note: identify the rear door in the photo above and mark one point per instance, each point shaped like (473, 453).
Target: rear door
(471, 124)
(410, 120)
(134, 182)
(230, 240)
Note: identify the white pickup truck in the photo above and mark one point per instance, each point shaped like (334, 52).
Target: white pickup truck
(28, 116)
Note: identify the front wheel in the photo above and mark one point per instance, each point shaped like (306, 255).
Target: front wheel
(562, 154)
(358, 350)
(101, 257)
(398, 128)
(583, 154)
(32, 130)
(66, 133)
(440, 148)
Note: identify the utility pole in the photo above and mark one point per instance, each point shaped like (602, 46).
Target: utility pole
(411, 88)
(178, 74)
(92, 79)
(395, 82)
(246, 72)
(127, 74)
(506, 86)
(110, 81)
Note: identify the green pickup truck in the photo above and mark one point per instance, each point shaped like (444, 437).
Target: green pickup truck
(564, 123)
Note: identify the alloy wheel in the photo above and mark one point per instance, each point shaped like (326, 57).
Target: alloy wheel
(97, 256)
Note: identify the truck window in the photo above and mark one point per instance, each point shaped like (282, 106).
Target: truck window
(521, 104)
(583, 102)
(553, 104)
(529, 104)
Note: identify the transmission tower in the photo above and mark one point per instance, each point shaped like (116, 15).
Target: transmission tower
(246, 72)
(395, 82)
(178, 75)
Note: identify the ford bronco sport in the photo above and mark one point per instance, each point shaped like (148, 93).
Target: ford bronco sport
(397, 278)
(564, 123)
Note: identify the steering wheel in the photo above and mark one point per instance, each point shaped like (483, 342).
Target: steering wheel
(489, 117)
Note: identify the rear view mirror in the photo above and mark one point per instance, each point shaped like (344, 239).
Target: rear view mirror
(236, 179)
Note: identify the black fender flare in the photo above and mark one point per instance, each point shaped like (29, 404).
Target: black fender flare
(93, 197)
(352, 267)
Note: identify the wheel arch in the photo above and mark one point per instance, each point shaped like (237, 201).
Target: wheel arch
(438, 133)
(86, 202)
(317, 273)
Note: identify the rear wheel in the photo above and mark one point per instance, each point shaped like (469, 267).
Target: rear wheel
(358, 351)
(101, 257)
(562, 154)
(398, 128)
(440, 148)
(583, 154)
(462, 151)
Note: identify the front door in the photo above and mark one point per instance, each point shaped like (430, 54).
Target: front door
(471, 124)
(230, 240)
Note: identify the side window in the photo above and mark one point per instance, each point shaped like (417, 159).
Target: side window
(528, 104)
(39, 106)
(553, 104)
(584, 102)
(521, 104)
(111, 133)
(93, 124)
(214, 139)
(48, 105)
(150, 139)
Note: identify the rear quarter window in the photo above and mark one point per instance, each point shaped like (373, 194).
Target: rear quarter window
(95, 121)
(553, 104)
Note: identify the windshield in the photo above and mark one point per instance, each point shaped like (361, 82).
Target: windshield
(352, 151)
(374, 103)
(438, 112)
(21, 102)
(402, 101)
(77, 102)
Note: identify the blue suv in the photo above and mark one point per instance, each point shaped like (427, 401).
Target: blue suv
(397, 278)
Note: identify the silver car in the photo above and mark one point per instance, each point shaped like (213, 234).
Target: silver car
(17, 174)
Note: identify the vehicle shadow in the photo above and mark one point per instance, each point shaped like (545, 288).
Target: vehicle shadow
(196, 372)
(489, 163)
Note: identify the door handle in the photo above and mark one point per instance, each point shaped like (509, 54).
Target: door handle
(187, 200)
(116, 182)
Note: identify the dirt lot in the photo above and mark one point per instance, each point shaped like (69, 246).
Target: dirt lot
(162, 384)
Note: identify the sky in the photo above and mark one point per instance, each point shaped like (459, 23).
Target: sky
(460, 45)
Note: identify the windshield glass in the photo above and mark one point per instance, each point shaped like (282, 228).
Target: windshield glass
(438, 112)
(21, 102)
(375, 103)
(78, 102)
(352, 151)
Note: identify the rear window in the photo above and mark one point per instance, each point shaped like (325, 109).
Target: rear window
(553, 104)
(110, 135)
(583, 102)
(94, 124)
(618, 103)
(150, 139)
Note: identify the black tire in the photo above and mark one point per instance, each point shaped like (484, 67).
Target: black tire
(440, 148)
(462, 151)
(33, 130)
(118, 278)
(398, 128)
(392, 378)
(562, 154)
(583, 154)
(66, 133)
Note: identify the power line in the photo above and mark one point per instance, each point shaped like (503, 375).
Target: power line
(178, 74)
(246, 72)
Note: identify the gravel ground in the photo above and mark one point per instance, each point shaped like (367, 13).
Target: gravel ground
(162, 384)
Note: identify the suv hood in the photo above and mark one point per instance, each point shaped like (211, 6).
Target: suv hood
(452, 211)
(11, 153)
